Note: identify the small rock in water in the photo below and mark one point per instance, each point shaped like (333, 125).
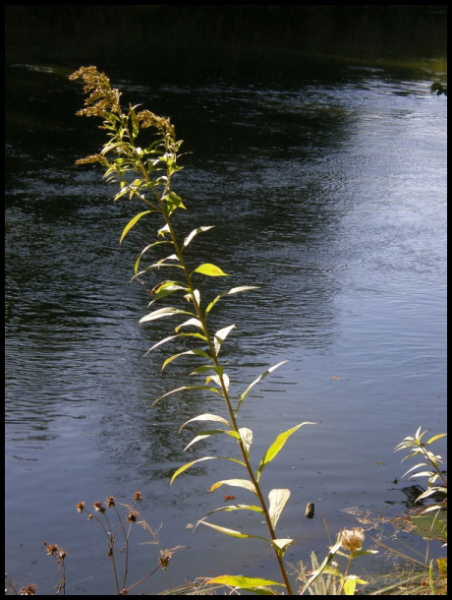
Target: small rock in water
(309, 512)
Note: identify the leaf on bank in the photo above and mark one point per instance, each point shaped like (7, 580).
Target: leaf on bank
(255, 584)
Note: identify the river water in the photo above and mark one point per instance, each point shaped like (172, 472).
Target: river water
(326, 183)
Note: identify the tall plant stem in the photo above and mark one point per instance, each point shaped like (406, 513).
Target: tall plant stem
(224, 388)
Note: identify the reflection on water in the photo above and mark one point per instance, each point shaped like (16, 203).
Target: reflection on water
(329, 195)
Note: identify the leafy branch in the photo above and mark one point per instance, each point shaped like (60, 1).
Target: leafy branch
(146, 173)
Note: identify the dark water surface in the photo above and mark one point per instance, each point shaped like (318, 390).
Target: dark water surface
(326, 182)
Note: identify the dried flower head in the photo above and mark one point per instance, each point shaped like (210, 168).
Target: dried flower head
(164, 559)
(92, 158)
(101, 98)
(137, 497)
(80, 507)
(51, 549)
(352, 539)
(98, 507)
(110, 501)
(28, 590)
(132, 516)
(62, 553)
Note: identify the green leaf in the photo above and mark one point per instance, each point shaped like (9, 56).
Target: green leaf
(245, 583)
(132, 222)
(244, 483)
(172, 337)
(249, 388)
(434, 438)
(166, 288)
(277, 499)
(195, 351)
(195, 322)
(350, 584)
(231, 532)
(207, 417)
(277, 445)
(188, 465)
(205, 368)
(220, 336)
(173, 202)
(329, 557)
(143, 252)
(194, 233)
(163, 312)
(235, 290)
(232, 507)
(210, 270)
(186, 387)
(204, 435)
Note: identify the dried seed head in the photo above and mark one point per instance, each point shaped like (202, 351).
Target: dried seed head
(352, 539)
(137, 497)
(62, 553)
(132, 516)
(80, 507)
(164, 559)
(110, 501)
(51, 549)
(28, 590)
(98, 507)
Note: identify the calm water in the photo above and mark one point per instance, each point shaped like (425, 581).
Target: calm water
(327, 187)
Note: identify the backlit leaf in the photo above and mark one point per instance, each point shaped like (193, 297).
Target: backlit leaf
(194, 233)
(195, 351)
(188, 465)
(163, 312)
(277, 499)
(235, 290)
(245, 583)
(172, 337)
(207, 417)
(246, 436)
(186, 387)
(232, 532)
(132, 222)
(262, 376)
(220, 336)
(277, 445)
(210, 270)
(244, 483)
